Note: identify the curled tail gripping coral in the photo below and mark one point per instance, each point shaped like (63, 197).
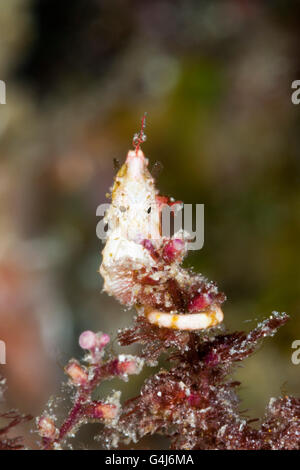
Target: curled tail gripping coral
(140, 266)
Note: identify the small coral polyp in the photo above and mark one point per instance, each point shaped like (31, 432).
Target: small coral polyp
(141, 267)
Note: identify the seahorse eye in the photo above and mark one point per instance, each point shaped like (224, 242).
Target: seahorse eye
(149, 210)
(122, 209)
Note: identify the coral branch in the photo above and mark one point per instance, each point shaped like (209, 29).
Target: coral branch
(194, 403)
(85, 379)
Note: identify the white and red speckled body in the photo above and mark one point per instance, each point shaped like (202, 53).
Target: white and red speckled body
(130, 223)
(141, 267)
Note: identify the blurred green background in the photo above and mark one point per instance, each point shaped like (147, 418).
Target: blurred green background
(215, 78)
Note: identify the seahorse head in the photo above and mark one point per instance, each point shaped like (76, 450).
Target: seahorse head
(134, 213)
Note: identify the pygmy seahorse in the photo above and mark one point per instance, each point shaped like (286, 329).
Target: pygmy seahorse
(141, 267)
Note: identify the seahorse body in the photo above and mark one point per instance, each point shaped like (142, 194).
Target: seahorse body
(143, 268)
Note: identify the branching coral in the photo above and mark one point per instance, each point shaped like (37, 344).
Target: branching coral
(84, 378)
(194, 403)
